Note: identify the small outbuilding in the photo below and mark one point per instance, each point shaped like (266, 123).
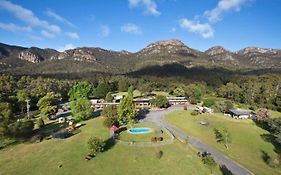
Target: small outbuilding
(239, 113)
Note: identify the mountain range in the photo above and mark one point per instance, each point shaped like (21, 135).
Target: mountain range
(35, 60)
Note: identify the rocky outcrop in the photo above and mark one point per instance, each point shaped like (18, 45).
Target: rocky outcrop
(169, 47)
(79, 54)
(27, 55)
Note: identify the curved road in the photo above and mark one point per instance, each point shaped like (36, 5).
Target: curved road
(157, 117)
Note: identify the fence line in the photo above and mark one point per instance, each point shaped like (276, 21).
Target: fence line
(149, 144)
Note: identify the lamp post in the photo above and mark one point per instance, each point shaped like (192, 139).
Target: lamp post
(27, 107)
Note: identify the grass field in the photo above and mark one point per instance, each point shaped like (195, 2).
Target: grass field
(45, 157)
(274, 114)
(247, 146)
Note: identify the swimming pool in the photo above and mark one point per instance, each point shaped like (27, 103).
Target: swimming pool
(139, 130)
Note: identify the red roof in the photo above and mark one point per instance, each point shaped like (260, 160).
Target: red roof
(113, 128)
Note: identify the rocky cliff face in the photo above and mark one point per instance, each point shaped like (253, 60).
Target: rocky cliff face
(157, 53)
(29, 56)
(78, 54)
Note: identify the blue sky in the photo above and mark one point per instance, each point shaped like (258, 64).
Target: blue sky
(133, 24)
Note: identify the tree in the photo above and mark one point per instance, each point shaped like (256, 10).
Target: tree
(102, 89)
(40, 122)
(21, 128)
(82, 89)
(123, 84)
(5, 111)
(110, 114)
(126, 109)
(223, 136)
(81, 109)
(48, 105)
(22, 97)
(208, 160)
(95, 146)
(179, 92)
(262, 115)
(109, 97)
(160, 101)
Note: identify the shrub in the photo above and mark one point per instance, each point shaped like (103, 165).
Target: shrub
(159, 154)
(194, 113)
(40, 122)
(209, 102)
(95, 146)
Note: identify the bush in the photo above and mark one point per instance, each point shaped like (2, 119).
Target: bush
(194, 113)
(209, 102)
(95, 146)
(40, 122)
(159, 154)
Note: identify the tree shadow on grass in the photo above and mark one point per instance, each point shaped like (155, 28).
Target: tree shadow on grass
(51, 128)
(142, 114)
(225, 170)
(109, 143)
(272, 139)
(265, 157)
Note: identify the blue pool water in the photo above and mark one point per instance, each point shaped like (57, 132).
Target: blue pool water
(139, 130)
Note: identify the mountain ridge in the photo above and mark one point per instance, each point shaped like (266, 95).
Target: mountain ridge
(157, 53)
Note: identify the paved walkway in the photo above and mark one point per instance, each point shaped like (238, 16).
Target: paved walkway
(157, 117)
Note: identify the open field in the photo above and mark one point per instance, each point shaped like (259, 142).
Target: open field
(247, 147)
(45, 157)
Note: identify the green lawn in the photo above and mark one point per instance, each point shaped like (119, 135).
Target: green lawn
(274, 114)
(45, 157)
(247, 144)
(125, 136)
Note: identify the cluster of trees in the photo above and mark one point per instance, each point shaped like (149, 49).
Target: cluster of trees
(43, 94)
(262, 91)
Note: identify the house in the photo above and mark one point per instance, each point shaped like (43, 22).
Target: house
(176, 100)
(142, 102)
(239, 113)
(118, 98)
(204, 109)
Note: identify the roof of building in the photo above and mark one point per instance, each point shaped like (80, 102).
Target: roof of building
(240, 111)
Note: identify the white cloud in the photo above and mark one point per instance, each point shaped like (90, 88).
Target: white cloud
(14, 28)
(66, 47)
(35, 37)
(48, 34)
(72, 35)
(173, 30)
(27, 16)
(214, 15)
(204, 29)
(131, 28)
(105, 30)
(149, 5)
(59, 18)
